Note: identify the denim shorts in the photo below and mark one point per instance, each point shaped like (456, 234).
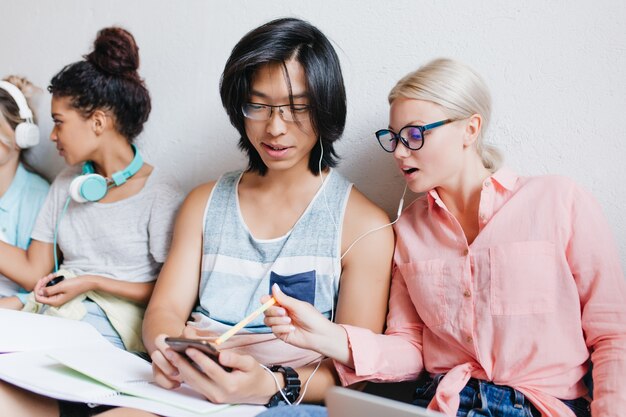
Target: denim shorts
(98, 319)
(483, 398)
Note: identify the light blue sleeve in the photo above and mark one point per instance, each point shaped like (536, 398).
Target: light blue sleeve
(22, 295)
(32, 200)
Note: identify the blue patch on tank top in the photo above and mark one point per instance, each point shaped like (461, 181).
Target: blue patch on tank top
(300, 286)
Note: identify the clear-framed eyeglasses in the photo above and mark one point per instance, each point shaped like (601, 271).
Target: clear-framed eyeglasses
(287, 112)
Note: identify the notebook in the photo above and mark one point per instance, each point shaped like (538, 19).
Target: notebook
(93, 371)
(28, 331)
(343, 402)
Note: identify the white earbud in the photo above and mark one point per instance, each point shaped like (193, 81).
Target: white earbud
(401, 205)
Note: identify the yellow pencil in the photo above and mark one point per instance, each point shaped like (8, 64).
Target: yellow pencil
(245, 321)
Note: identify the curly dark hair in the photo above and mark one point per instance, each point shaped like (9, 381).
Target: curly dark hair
(107, 79)
(279, 41)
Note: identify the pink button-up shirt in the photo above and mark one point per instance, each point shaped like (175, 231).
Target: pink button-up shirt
(540, 287)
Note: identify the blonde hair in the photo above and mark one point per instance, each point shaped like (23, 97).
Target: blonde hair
(457, 88)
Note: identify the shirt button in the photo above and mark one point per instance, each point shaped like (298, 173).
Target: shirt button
(465, 252)
(487, 183)
(468, 339)
(483, 217)
(467, 294)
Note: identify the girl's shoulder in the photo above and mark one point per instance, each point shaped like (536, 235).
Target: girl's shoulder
(158, 182)
(162, 188)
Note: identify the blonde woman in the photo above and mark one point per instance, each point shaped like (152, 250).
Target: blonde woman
(22, 191)
(505, 287)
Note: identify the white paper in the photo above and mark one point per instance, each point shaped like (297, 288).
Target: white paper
(130, 375)
(39, 373)
(97, 373)
(28, 331)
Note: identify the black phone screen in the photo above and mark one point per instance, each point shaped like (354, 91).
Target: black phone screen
(180, 344)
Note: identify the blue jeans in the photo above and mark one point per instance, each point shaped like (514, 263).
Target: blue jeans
(483, 398)
(478, 399)
(297, 411)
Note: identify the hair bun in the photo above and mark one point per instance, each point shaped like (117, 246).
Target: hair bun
(115, 52)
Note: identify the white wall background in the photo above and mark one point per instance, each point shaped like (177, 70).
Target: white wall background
(557, 72)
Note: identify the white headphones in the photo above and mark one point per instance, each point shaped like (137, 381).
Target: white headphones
(27, 132)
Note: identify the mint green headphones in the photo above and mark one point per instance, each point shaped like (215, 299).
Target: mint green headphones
(93, 187)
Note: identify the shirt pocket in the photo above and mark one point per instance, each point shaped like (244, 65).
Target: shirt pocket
(300, 286)
(523, 278)
(426, 285)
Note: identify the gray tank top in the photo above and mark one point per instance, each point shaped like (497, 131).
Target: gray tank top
(237, 269)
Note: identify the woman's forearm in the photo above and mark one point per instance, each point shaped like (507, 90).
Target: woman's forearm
(335, 345)
(26, 267)
(139, 292)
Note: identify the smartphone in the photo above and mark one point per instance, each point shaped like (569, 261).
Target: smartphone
(55, 280)
(180, 344)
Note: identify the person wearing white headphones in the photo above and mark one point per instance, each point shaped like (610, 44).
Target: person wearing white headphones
(109, 215)
(22, 191)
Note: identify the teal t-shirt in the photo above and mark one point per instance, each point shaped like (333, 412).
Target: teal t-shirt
(19, 207)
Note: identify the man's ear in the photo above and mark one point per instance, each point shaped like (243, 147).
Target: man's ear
(472, 129)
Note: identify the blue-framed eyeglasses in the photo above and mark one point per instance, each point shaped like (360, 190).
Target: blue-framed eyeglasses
(411, 136)
(263, 112)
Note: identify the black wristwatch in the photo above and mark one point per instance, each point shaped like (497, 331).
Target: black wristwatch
(292, 386)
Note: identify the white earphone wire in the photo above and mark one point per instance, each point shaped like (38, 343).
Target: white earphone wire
(332, 283)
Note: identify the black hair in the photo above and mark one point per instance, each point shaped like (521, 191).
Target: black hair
(279, 41)
(107, 79)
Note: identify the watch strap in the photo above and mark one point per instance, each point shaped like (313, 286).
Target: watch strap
(292, 386)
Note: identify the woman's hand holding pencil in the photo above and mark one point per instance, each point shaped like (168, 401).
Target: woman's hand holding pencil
(300, 324)
(226, 335)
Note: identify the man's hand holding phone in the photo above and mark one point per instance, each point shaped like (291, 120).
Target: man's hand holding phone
(181, 344)
(165, 373)
(171, 350)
